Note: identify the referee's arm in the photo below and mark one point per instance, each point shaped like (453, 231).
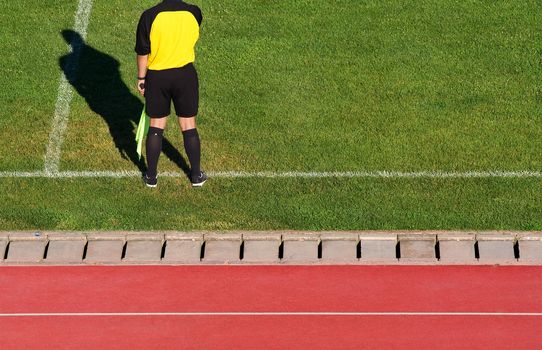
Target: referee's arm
(143, 49)
(141, 73)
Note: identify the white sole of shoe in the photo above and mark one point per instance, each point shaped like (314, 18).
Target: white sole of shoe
(199, 184)
(149, 185)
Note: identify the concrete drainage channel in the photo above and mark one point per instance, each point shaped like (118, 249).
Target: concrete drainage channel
(271, 247)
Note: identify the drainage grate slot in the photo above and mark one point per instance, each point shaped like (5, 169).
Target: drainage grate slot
(7, 250)
(319, 250)
(516, 250)
(242, 251)
(398, 250)
(85, 248)
(358, 250)
(45, 251)
(163, 253)
(476, 250)
(281, 250)
(123, 255)
(437, 250)
(202, 253)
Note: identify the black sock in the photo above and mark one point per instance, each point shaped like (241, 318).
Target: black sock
(154, 148)
(193, 150)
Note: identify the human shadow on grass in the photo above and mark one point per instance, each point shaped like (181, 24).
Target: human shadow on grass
(96, 77)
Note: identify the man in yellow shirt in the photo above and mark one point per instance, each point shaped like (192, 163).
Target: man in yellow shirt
(166, 36)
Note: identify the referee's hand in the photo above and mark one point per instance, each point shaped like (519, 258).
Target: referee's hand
(141, 86)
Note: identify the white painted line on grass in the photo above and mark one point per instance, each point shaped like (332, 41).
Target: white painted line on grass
(280, 314)
(379, 174)
(65, 90)
(279, 174)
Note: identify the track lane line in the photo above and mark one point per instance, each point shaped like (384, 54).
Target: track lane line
(280, 314)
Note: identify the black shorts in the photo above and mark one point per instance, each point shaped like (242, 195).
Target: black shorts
(179, 85)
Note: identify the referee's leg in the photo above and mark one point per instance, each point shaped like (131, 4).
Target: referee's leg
(192, 144)
(154, 145)
(158, 101)
(186, 101)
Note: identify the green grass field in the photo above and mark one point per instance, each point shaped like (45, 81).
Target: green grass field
(304, 85)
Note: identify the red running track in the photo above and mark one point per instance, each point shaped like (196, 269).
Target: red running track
(513, 291)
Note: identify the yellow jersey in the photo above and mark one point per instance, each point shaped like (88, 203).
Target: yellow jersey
(168, 33)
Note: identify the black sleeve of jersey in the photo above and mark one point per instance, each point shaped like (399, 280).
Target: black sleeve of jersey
(143, 36)
(197, 13)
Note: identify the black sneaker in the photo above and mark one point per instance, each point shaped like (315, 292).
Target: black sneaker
(150, 182)
(198, 181)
